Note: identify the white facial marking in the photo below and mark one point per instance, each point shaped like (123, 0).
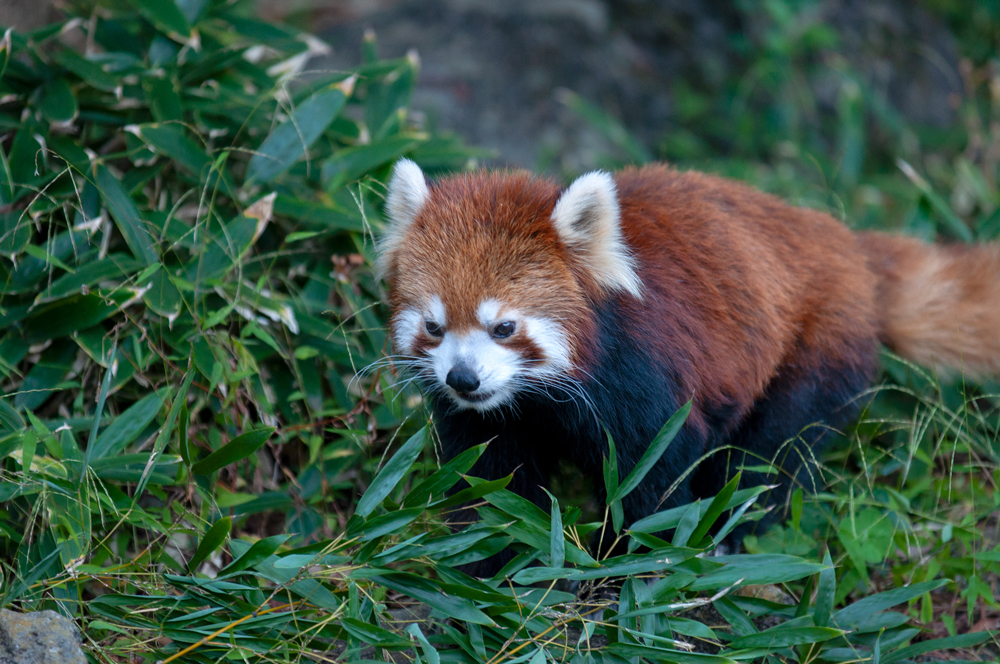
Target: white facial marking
(435, 311)
(489, 312)
(405, 328)
(551, 338)
(500, 369)
(492, 364)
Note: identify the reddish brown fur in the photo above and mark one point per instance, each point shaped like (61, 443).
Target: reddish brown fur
(938, 305)
(754, 283)
(488, 235)
(738, 286)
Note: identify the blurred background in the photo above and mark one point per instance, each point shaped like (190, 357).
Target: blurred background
(817, 100)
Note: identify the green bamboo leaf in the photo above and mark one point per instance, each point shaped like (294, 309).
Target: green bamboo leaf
(653, 453)
(687, 525)
(143, 466)
(127, 427)
(872, 604)
(166, 16)
(88, 70)
(641, 565)
(423, 590)
(329, 216)
(260, 551)
(25, 154)
(170, 139)
(734, 519)
(167, 429)
(213, 539)
(444, 478)
(58, 102)
(384, 524)
(163, 98)
(610, 468)
(7, 185)
(349, 164)
(374, 636)
(528, 531)
(290, 140)
(933, 645)
(430, 652)
(309, 589)
(741, 624)
(238, 448)
(99, 408)
(126, 216)
(783, 637)
(670, 518)
(748, 570)
(46, 257)
(112, 266)
(668, 655)
(390, 474)
(557, 539)
(5, 49)
(54, 363)
(469, 494)
(192, 9)
(163, 297)
(956, 226)
(825, 592)
(229, 246)
(715, 510)
(10, 419)
(28, 442)
(517, 506)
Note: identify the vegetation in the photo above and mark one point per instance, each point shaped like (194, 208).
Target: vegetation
(194, 466)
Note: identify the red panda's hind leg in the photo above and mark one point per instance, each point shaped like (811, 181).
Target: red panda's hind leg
(779, 442)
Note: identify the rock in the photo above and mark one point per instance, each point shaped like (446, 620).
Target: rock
(43, 637)
(24, 15)
(491, 71)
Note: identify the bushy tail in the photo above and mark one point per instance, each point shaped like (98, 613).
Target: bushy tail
(938, 305)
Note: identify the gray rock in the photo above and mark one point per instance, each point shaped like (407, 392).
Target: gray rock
(43, 637)
(491, 71)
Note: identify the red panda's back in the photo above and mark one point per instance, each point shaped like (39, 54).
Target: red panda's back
(744, 285)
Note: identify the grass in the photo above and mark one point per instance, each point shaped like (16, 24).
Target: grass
(191, 468)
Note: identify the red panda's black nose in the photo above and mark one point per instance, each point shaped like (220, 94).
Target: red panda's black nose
(462, 379)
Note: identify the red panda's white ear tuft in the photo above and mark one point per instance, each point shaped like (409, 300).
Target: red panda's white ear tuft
(408, 193)
(588, 220)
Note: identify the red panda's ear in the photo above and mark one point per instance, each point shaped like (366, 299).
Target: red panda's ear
(588, 220)
(407, 195)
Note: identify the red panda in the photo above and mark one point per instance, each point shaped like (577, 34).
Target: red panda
(535, 317)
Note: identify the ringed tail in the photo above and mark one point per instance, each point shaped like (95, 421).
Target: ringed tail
(938, 304)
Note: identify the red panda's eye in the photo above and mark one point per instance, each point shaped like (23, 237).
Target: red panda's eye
(504, 329)
(434, 329)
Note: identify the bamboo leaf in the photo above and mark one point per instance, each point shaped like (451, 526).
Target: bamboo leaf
(825, 592)
(126, 216)
(783, 637)
(293, 137)
(166, 16)
(238, 448)
(653, 453)
(213, 539)
(390, 474)
(58, 103)
(872, 604)
(127, 427)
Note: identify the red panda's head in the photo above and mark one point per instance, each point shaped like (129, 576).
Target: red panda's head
(492, 276)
